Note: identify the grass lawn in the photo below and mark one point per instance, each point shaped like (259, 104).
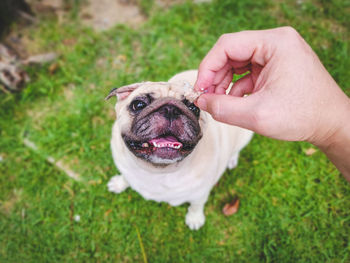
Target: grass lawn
(294, 207)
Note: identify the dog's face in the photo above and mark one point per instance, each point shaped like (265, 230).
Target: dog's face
(159, 122)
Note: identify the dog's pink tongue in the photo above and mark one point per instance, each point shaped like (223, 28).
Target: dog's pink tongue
(168, 141)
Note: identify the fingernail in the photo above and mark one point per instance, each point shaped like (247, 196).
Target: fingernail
(201, 103)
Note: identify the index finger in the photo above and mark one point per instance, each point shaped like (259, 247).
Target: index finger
(236, 49)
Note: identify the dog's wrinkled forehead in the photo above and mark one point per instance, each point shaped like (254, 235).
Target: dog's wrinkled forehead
(162, 90)
(157, 89)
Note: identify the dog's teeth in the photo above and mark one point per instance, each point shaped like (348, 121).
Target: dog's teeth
(164, 145)
(155, 145)
(145, 145)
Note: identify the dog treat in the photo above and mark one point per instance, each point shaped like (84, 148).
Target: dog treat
(193, 95)
(190, 93)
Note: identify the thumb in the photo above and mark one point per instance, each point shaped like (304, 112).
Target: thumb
(237, 111)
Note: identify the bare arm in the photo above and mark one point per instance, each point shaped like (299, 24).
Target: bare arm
(292, 96)
(337, 148)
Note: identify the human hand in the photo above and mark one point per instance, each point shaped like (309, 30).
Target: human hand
(292, 96)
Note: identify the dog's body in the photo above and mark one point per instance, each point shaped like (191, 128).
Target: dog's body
(206, 148)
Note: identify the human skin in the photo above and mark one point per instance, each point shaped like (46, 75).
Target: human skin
(291, 95)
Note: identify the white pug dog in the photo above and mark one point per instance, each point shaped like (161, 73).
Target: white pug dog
(168, 150)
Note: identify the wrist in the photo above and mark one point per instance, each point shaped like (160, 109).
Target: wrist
(335, 127)
(337, 146)
(338, 151)
(340, 138)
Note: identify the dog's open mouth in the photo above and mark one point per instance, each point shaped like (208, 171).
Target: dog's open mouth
(166, 147)
(164, 142)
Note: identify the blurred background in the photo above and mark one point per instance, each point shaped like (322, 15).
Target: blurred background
(60, 58)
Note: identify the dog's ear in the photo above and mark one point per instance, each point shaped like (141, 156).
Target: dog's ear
(123, 92)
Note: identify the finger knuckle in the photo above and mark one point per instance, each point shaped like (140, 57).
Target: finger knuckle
(289, 30)
(224, 38)
(290, 34)
(259, 119)
(287, 37)
(216, 111)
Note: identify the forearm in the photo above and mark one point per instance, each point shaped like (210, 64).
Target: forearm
(337, 147)
(338, 153)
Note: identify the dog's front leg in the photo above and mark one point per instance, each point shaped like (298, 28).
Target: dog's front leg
(195, 217)
(117, 184)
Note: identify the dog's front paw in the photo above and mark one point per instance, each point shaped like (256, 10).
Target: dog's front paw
(233, 161)
(195, 220)
(117, 184)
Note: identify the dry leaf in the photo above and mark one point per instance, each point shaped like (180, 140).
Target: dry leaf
(121, 58)
(69, 41)
(310, 151)
(107, 212)
(53, 67)
(231, 208)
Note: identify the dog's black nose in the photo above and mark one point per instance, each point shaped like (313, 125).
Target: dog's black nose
(170, 112)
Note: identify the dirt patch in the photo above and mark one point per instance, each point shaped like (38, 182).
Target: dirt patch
(58, 8)
(168, 3)
(104, 14)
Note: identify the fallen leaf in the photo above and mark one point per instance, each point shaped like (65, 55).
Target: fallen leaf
(53, 67)
(231, 208)
(310, 151)
(69, 41)
(221, 243)
(121, 58)
(107, 212)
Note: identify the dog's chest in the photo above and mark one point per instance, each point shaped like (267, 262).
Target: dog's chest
(174, 188)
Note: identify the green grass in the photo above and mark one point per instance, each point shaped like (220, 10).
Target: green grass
(294, 207)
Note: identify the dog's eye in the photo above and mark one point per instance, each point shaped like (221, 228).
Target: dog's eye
(194, 109)
(137, 105)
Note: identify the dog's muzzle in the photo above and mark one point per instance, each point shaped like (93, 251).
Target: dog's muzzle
(164, 134)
